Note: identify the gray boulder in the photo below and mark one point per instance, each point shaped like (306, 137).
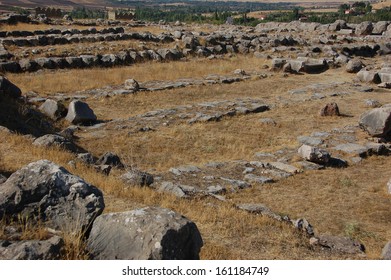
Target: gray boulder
(138, 178)
(354, 66)
(278, 63)
(380, 27)
(385, 75)
(50, 140)
(314, 154)
(31, 249)
(364, 28)
(9, 89)
(377, 122)
(45, 191)
(386, 252)
(80, 113)
(53, 109)
(110, 159)
(149, 233)
(368, 76)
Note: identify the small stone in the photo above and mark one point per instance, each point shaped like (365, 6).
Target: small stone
(314, 154)
(331, 109)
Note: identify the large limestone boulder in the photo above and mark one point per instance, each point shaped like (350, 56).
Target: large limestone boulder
(31, 249)
(364, 28)
(368, 76)
(354, 66)
(46, 191)
(377, 122)
(385, 75)
(149, 233)
(9, 89)
(380, 27)
(53, 109)
(80, 113)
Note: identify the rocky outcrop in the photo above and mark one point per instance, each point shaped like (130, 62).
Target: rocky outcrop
(45, 191)
(144, 234)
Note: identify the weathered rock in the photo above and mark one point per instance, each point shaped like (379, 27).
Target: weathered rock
(354, 66)
(80, 113)
(380, 27)
(262, 210)
(50, 140)
(111, 159)
(53, 109)
(138, 178)
(132, 85)
(278, 63)
(2, 178)
(368, 76)
(314, 154)
(353, 149)
(144, 234)
(331, 109)
(9, 89)
(377, 122)
(87, 158)
(31, 249)
(304, 226)
(284, 167)
(385, 75)
(372, 103)
(257, 179)
(341, 244)
(364, 28)
(48, 192)
(184, 169)
(386, 252)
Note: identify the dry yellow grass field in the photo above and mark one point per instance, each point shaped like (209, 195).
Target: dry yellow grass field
(345, 202)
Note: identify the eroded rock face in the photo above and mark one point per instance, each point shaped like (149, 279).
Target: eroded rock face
(48, 192)
(377, 122)
(149, 233)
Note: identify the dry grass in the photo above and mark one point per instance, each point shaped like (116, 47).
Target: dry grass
(348, 202)
(33, 27)
(71, 81)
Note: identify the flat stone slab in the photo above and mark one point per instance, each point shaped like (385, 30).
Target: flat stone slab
(351, 148)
